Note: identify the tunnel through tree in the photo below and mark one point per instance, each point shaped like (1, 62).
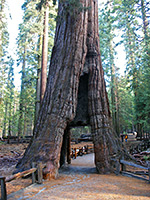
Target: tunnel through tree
(75, 66)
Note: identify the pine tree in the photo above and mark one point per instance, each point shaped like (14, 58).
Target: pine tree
(107, 28)
(129, 25)
(145, 75)
(44, 52)
(30, 54)
(4, 41)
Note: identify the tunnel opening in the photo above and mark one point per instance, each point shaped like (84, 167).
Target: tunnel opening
(77, 148)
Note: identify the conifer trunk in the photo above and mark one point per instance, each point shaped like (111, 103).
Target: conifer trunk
(38, 80)
(44, 53)
(5, 118)
(20, 123)
(76, 52)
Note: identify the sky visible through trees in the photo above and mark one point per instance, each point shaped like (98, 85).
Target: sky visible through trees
(16, 18)
(13, 22)
(124, 45)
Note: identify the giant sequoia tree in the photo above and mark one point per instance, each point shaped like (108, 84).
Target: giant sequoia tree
(75, 65)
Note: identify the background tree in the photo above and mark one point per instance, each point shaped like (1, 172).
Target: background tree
(107, 34)
(145, 42)
(125, 17)
(126, 105)
(9, 100)
(44, 51)
(30, 54)
(4, 41)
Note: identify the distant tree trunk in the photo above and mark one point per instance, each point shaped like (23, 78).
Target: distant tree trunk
(134, 71)
(111, 53)
(38, 81)
(5, 118)
(20, 123)
(25, 120)
(10, 121)
(44, 53)
(37, 104)
(76, 53)
(114, 100)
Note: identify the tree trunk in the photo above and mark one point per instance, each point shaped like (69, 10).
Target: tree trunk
(106, 144)
(5, 118)
(37, 103)
(114, 100)
(76, 52)
(25, 120)
(10, 121)
(134, 71)
(44, 53)
(20, 123)
(38, 80)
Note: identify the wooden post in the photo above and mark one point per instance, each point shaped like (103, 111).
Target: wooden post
(8, 140)
(40, 173)
(87, 149)
(75, 154)
(3, 188)
(33, 174)
(149, 171)
(117, 164)
(123, 167)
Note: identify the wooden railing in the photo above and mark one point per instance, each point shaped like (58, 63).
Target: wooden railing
(130, 174)
(39, 172)
(16, 139)
(81, 150)
(33, 171)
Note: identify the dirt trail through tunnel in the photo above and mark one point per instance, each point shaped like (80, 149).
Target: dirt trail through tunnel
(80, 181)
(82, 164)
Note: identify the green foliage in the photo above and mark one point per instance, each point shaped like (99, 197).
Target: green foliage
(146, 157)
(78, 131)
(128, 18)
(126, 104)
(4, 36)
(29, 53)
(9, 101)
(7, 91)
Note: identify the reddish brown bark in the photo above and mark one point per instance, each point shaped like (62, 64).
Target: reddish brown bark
(44, 53)
(76, 52)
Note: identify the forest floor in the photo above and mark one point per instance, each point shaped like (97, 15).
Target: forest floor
(76, 181)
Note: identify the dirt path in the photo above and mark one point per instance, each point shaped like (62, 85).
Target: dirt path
(80, 181)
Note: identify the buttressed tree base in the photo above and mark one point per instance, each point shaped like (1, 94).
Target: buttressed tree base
(75, 94)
